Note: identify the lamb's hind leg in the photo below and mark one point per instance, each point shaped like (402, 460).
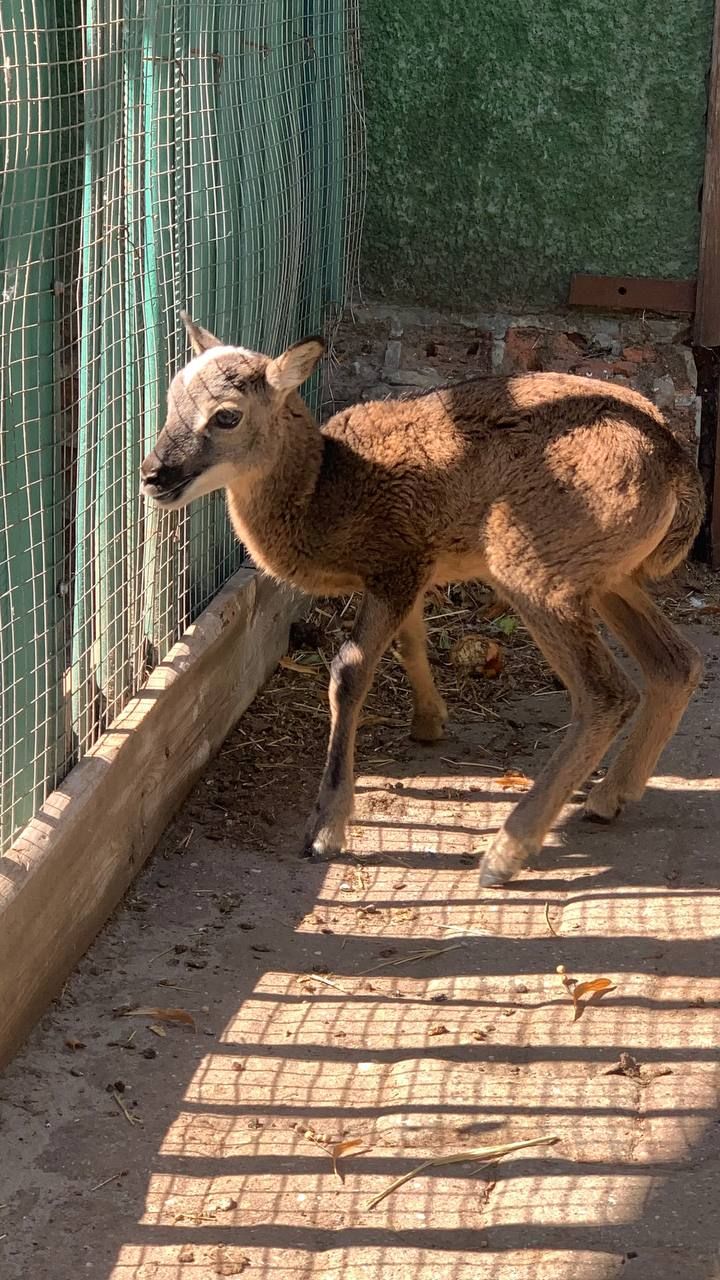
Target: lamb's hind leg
(429, 710)
(672, 669)
(602, 700)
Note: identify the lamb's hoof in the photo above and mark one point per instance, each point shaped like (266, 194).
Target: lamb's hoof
(323, 843)
(428, 727)
(603, 804)
(600, 819)
(505, 857)
(489, 878)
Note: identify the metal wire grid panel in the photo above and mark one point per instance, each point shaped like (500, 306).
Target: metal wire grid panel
(158, 154)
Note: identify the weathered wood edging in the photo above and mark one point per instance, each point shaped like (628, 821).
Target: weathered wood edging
(68, 869)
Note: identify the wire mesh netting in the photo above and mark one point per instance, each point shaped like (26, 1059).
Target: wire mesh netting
(157, 154)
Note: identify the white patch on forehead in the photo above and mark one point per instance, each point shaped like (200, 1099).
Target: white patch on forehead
(213, 353)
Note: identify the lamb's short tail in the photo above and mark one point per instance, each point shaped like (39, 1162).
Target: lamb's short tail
(684, 526)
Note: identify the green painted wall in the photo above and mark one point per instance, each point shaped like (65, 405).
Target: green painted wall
(512, 142)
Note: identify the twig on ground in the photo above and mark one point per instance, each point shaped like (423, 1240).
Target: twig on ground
(485, 1154)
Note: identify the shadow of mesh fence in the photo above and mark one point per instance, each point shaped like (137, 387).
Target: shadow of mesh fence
(157, 154)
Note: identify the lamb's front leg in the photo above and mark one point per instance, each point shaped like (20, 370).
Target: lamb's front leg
(351, 674)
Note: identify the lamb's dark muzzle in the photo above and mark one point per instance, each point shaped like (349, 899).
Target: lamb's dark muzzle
(161, 481)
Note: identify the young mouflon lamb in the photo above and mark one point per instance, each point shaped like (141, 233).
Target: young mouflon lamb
(566, 495)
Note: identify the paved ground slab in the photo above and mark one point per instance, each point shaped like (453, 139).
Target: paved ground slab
(385, 998)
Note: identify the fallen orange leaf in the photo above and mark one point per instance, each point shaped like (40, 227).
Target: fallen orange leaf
(340, 1149)
(598, 986)
(516, 781)
(494, 661)
(162, 1015)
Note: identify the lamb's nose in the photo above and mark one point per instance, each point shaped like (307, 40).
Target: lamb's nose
(153, 472)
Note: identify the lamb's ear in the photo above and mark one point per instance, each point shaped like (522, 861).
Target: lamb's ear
(200, 339)
(291, 369)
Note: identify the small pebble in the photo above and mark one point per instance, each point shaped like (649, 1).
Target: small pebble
(225, 1205)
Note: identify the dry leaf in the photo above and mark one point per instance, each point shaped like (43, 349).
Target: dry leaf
(469, 653)
(512, 780)
(594, 987)
(72, 1043)
(157, 1030)
(163, 1015)
(473, 653)
(341, 1149)
(477, 1154)
(597, 987)
(346, 1145)
(291, 665)
(494, 661)
(439, 1030)
(597, 984)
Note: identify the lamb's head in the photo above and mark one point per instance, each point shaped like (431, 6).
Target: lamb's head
(225, 409)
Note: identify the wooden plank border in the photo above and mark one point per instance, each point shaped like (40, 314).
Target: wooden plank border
(68, 869)
(632, 293)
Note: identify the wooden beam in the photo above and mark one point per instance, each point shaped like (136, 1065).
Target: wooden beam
(633, 293)
(707, 314)
(64, 875)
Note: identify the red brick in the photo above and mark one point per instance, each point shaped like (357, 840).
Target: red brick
(560, 353)
(523, 350)
(640, 355)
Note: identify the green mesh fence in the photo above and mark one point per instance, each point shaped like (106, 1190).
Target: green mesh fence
(157, 154)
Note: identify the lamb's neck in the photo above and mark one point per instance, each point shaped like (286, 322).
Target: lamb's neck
(272, 509)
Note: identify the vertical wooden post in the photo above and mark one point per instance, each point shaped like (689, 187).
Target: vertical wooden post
(707, 304)
(707, 307)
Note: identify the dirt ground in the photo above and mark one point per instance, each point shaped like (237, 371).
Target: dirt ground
(383, 998)
(245, 1013)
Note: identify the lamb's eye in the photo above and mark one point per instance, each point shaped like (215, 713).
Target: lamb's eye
(226, 419)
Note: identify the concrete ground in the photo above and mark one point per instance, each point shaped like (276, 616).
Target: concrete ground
(385, 998)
